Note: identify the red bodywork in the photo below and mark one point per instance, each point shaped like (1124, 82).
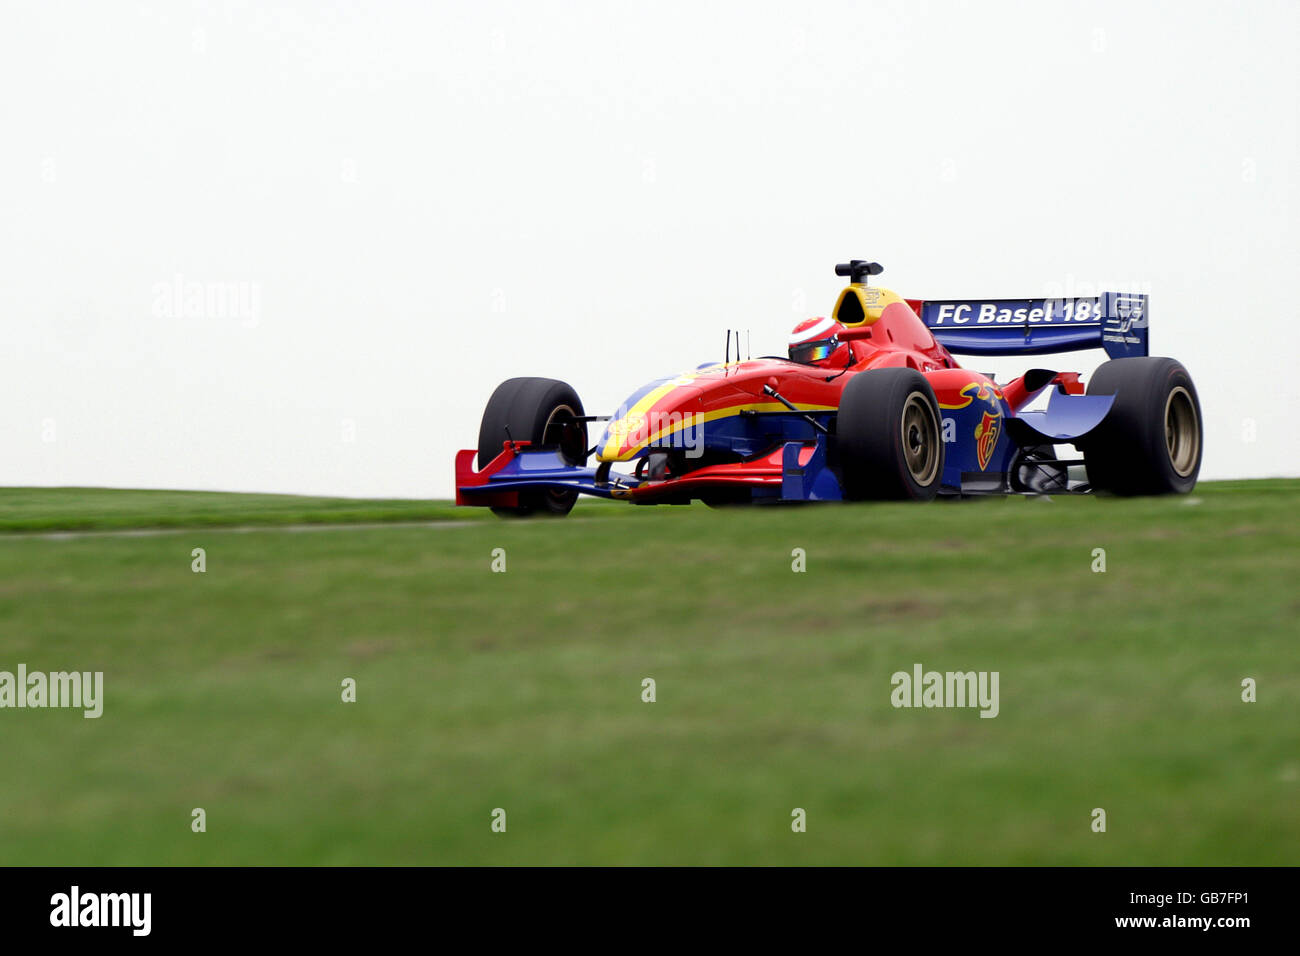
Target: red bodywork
(721, 394)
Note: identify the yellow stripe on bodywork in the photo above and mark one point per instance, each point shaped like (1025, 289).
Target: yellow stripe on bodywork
(647, 402)
(979, 388)
(703, 418)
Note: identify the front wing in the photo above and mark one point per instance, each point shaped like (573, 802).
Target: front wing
(795, 471)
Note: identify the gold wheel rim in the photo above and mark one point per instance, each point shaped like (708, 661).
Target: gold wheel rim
(1182, 431)
(553, 432)
(920, 434)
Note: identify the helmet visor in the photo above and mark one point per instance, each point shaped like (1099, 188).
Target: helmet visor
(809, 352)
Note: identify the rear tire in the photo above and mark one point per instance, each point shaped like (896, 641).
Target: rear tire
(889, 436)
(1150, 441)
(543, 412)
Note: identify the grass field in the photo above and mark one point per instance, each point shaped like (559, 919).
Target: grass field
(105, 509)
(478, 690)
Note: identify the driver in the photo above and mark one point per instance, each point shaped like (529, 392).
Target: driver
(814, 342)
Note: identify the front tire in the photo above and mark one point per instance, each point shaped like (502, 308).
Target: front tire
(889, 436)
(1150, 441)
(544, 412)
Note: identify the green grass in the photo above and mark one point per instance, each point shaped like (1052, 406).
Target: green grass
(108, 509)
(523, 690)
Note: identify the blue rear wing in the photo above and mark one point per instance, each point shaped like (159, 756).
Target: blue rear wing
(1114, 321)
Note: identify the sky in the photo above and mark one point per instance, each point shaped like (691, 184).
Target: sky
(293, 246)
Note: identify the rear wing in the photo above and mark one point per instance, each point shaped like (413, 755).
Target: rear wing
(1114, 321)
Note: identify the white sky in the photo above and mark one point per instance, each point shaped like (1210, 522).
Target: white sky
(417, 200)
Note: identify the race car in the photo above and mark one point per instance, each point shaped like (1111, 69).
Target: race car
(867, 404)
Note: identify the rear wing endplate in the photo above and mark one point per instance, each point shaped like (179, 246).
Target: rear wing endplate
(1114, 321)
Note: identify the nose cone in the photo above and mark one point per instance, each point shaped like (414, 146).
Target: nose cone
(651, 418)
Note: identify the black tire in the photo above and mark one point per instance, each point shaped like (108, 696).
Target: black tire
(890, 437)
(540, 411)
(1150, 441)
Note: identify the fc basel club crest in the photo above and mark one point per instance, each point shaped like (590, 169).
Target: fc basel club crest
(986, 437)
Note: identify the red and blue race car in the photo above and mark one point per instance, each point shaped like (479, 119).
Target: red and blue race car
(867, 404)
